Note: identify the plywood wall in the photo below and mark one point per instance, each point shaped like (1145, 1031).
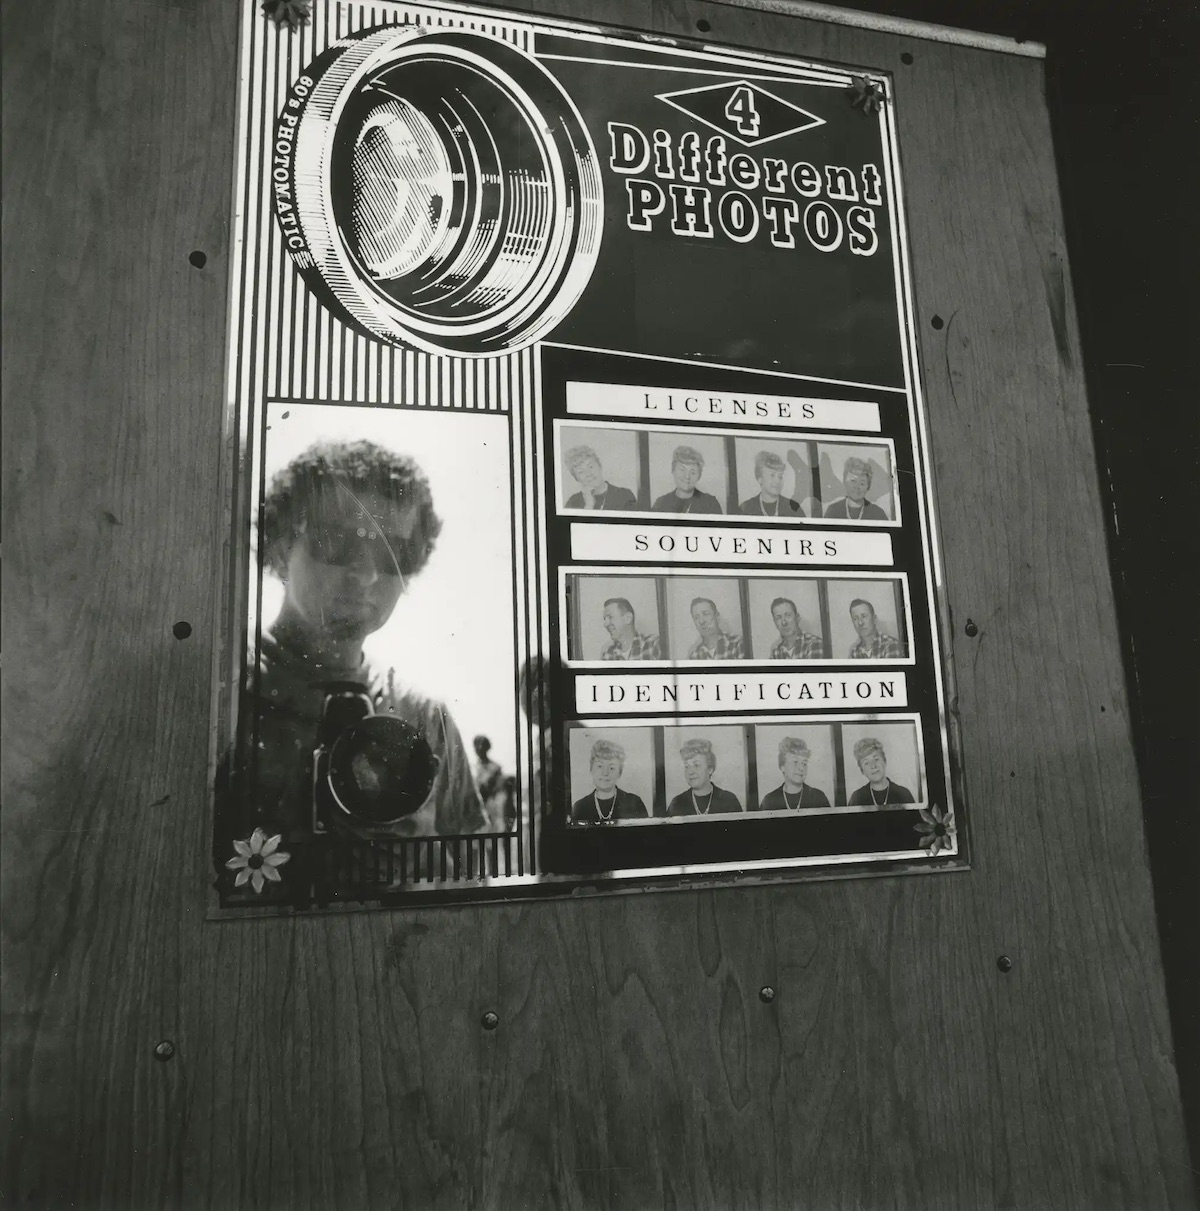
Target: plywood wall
(340, 1062)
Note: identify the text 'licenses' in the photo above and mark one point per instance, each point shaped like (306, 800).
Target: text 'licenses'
(723, 407)
(649, 693)
(680, 544)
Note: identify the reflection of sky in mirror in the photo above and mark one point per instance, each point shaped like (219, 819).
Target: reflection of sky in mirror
(451, 636)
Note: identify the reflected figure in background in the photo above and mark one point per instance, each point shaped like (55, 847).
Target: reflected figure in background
(488, 774)
(625, 641)
(607, 802)
(794, 643)
(346, 526)
(880, 790)
(494, 789)
(870, 644)
(687, 465)
(702, 797)
(770, 501)
(856, 483)
(795, 795)
(714, 643)
(595, 492)
(534, 699)
(531, 693)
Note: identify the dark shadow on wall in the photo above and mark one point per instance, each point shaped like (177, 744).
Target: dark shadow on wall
(1120, 86)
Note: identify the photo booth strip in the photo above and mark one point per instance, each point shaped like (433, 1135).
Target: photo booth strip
(655, 594)
(747, 765)
(638, 459)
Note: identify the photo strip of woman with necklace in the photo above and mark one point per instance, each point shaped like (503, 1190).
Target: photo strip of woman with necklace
(868, 747)
(770, 500)
(599, 469)
(857, 482)
(794, 794)
(702, 457)
(595, 491)
(610, 775)
(702, 796)
(775, 477)
(608, 802)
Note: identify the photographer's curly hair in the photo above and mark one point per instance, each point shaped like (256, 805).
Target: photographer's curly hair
(357, 466)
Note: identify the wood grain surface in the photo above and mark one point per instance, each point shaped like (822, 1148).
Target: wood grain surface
(340, 1062)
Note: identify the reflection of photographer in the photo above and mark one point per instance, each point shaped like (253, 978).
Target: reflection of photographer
(345, 527)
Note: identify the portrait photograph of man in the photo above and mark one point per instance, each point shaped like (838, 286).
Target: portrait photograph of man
(785, 619)
(614, 618)
(795, 767)
(688, 473)
(774, 478)
(705, 614)
(372, 564)
(866, 619)
(856, 482)
(882, 765)
(599, 469)
(705, 770)
(612, 774)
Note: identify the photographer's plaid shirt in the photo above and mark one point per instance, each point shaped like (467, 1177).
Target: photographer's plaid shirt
(643, 647)
(803, 647)
(882, 647)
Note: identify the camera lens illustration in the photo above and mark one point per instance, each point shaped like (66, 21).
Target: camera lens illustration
(441, 190)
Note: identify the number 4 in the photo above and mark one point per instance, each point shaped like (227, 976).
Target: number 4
(741, 112)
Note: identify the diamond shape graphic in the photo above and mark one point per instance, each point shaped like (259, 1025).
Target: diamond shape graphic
(743, 111)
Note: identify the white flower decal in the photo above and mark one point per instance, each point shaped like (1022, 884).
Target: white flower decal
(257, 861)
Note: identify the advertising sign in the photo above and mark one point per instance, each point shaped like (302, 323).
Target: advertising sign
(581, 528)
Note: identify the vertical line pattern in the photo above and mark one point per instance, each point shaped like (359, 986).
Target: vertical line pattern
(311, 353)
(290, 346)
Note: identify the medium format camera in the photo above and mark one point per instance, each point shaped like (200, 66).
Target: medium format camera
(370, 772)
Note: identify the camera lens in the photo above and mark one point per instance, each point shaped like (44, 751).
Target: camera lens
(380, 771)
